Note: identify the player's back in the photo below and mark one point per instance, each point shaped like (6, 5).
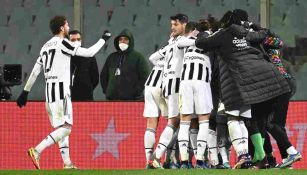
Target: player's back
(196, 64)
(56, 67)
(56, 63)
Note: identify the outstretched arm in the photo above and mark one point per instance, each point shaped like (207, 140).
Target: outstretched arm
(68, 48)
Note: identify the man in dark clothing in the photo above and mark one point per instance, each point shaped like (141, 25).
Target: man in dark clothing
(84, 72)
(125, 71)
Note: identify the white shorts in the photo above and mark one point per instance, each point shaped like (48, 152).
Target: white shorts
(195, 95)
(244, 111)
(155, 104)
(172, 102)
(60, 112)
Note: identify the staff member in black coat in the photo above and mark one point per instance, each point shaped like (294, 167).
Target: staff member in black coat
(85, 75)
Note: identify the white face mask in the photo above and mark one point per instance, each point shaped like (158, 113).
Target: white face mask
(77, 43)
(123, 46)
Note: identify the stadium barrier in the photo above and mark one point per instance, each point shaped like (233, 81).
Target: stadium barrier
(105, 135)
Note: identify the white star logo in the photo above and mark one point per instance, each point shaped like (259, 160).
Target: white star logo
(108, 140)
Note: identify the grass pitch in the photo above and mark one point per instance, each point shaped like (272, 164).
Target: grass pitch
(153, 172)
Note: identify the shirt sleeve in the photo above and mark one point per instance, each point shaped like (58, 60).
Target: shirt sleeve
(68, 48)
(185, 42)
(155, 57)
(163, 50)
(35, 72)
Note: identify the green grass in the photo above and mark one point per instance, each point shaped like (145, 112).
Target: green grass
(153, 172)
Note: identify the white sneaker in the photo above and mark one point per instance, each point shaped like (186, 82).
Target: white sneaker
(70, 167)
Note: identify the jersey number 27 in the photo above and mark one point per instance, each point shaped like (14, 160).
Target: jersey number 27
(49, 59)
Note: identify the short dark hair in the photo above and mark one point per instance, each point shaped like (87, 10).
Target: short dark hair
(56, 23)
(74, 32)
(182, 18)
(242, 15)
(203, 25)
(214, 24)
(191, 26)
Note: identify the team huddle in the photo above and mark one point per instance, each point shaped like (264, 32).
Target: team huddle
(218, 84)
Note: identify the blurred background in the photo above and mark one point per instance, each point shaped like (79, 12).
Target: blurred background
(24, 28)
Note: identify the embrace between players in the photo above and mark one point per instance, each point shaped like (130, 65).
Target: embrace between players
(206, 68)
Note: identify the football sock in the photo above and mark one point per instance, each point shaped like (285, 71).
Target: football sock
(236, 138)
(258, 144)
(183, 140)
(291, 150)
(193, 140)
(165, 139)
(223, 153)
(149, 141)
(53, 138)
(202, 139)
(64, 150)
(212, 146)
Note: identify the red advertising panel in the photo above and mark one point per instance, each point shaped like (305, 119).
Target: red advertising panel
(105, 135)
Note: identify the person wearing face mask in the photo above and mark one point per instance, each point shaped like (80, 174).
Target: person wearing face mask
(85, 75)
(125, 71)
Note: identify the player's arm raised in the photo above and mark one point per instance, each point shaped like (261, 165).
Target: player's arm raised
(85, 52)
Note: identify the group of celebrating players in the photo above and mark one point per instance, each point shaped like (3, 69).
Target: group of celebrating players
(218, 83)
(212, 77)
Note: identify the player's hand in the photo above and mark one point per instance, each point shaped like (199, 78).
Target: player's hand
(106, 35)
(22, 99)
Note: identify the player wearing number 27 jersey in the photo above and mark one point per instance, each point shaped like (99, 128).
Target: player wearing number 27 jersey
(54, 61)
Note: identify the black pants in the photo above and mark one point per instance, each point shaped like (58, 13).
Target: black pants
(277, 122)
(258, 122)
(260, 113)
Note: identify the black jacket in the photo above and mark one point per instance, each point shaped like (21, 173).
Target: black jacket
(86, 78)
(245, 76)
(134, 69)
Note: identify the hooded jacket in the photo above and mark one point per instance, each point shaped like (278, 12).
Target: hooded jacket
(131, 68)
(245, 76)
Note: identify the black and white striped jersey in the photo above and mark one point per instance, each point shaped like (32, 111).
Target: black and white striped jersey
(196, 64)
(55, 57)
(155, 77)
(171, 86)
(172, 67)
(54, 60)
(54, 91)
